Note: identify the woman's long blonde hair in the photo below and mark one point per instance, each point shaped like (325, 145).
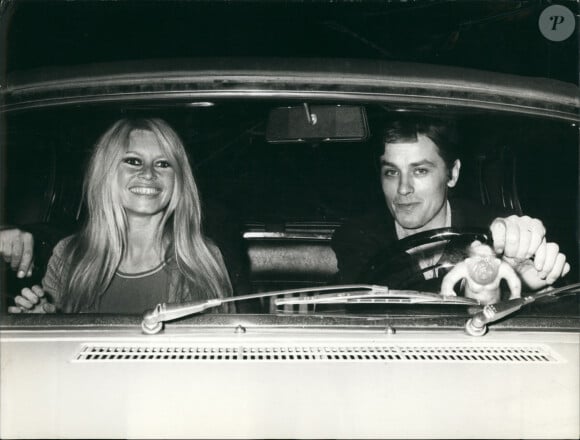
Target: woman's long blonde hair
(94, 254)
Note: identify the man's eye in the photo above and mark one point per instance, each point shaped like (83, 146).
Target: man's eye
(163, 164)
(132, 161)
(421, 171)
(390, 173)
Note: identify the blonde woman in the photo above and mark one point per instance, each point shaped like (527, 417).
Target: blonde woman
(142, 242)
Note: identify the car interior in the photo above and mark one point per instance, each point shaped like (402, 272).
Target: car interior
(278, 177)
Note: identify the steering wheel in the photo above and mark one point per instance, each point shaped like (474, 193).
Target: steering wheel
(395, 267)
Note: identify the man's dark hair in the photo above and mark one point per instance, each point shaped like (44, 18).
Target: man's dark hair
(442, 133)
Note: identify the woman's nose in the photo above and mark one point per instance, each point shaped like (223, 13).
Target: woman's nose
(148, 172)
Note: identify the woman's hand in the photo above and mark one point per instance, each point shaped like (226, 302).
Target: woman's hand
(32, 300)
(16, 247)
(547, 266)
(522, 243)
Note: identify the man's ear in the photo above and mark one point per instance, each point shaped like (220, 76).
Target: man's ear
(454, 173)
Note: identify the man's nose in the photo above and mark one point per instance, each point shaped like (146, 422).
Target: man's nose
(405, 186)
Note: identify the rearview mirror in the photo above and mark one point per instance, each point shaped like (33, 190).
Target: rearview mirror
(325, 123)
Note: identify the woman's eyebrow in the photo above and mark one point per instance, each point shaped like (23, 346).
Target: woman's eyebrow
(135, 153)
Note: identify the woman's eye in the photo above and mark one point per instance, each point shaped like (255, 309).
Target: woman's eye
(132, 161)
(163, 164)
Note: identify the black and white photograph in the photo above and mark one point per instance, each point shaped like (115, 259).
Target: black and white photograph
(293, 219)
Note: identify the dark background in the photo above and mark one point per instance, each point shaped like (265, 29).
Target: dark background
(501, 36)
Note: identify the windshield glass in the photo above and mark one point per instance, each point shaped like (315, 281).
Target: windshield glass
(149, 184)
(273, 209)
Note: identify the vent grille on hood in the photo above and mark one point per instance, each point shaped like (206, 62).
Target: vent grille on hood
(320, 353)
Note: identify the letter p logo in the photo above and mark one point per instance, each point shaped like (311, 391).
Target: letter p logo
(557, 23)
(556, 19)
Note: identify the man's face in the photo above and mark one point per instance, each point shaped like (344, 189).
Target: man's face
(415, 180)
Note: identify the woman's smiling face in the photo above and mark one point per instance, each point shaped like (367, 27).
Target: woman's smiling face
(145, 178)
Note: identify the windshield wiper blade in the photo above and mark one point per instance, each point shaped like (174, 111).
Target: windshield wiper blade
(377, 295)
(361, 293)
(477, 324)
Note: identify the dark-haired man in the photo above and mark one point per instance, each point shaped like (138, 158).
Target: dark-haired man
(419, 165)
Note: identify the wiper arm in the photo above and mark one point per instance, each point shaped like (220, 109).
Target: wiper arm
(477, 324)
(153, 319)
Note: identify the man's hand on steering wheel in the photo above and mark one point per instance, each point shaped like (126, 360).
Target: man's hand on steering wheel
(519, 241)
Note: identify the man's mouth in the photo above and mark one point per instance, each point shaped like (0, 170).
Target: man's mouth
(145, 190)
(405, 206)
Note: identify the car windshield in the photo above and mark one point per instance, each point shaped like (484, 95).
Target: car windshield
(283, 118)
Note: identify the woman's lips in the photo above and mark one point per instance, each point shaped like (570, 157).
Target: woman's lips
(145, 190)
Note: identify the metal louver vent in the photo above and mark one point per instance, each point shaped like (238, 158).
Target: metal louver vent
(319, 353)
